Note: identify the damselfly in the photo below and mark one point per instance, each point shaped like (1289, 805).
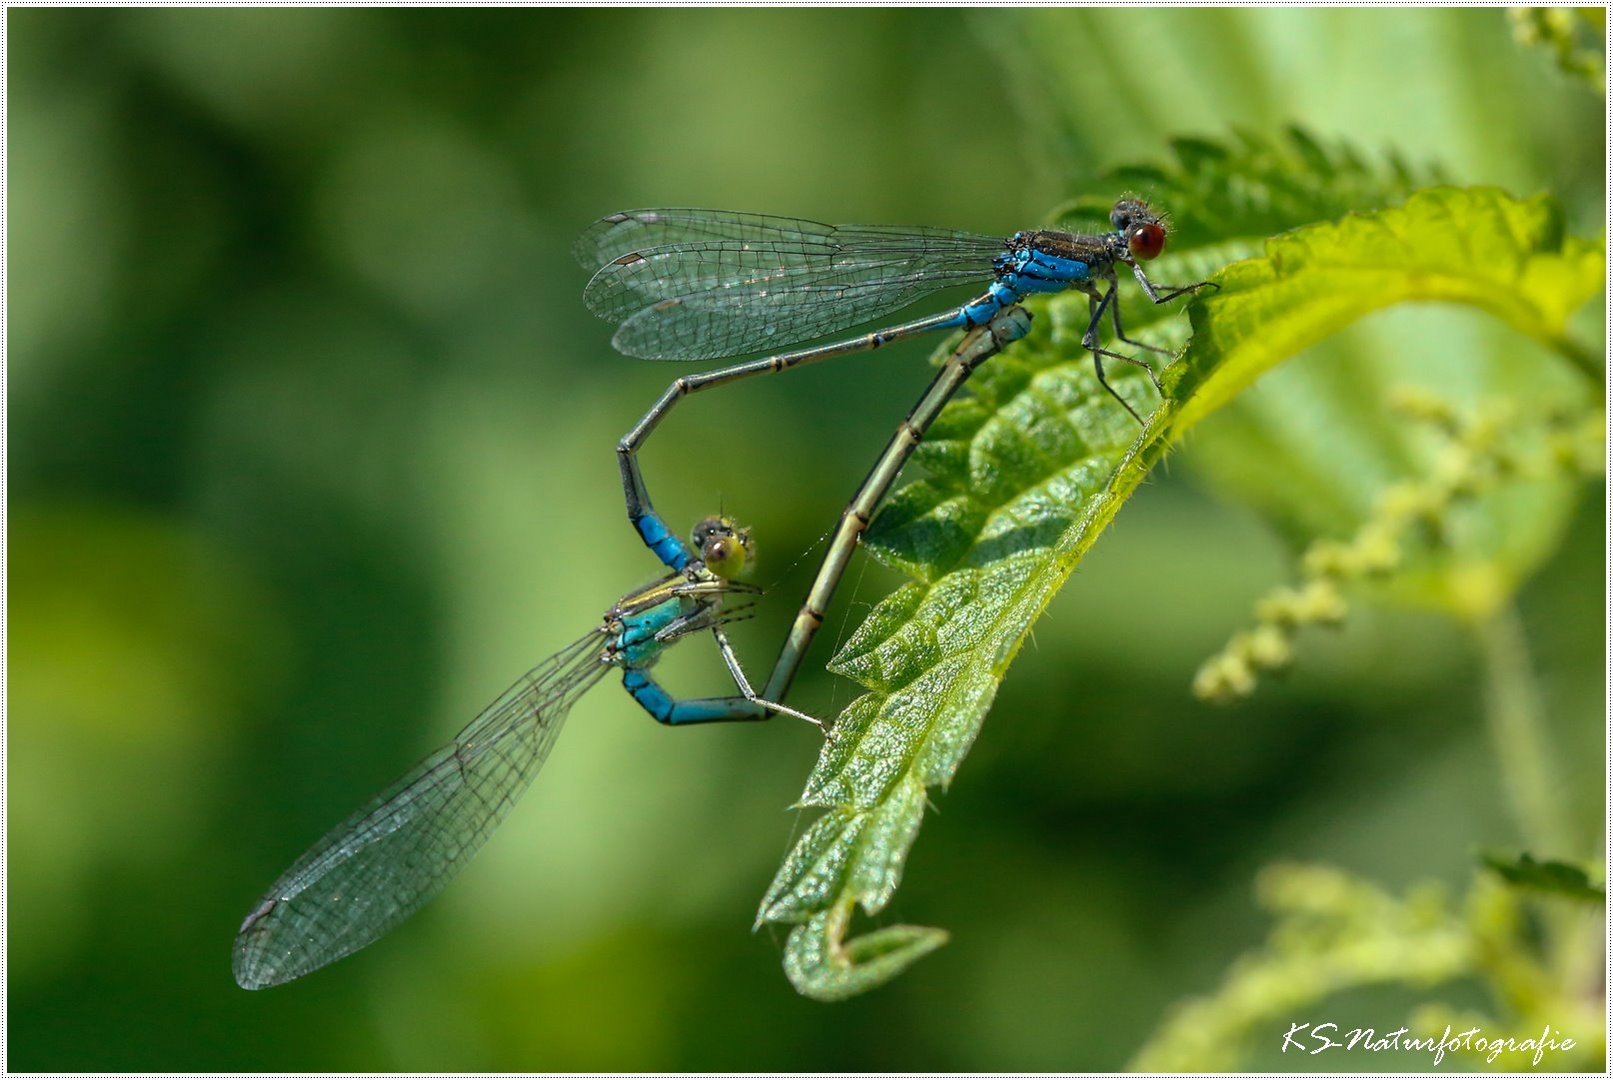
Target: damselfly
(380, 865)
(704, 284)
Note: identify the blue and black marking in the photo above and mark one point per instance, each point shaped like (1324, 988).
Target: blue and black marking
(640, 626)
(666, 545)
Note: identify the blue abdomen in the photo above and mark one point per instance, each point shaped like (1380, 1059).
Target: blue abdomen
(656, 701)
(659, 539)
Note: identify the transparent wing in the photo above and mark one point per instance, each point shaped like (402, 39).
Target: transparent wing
(733, 320)
(380, 865)
(634, 230)
(705, 284)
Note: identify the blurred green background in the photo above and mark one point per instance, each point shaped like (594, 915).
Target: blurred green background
(310, 456)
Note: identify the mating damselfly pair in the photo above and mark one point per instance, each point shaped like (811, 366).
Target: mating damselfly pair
(691, 285)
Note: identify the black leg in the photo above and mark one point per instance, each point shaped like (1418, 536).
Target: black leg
(1089, 341)
(1114, 311)
(1161, 294)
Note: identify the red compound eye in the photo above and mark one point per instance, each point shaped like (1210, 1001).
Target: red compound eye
(1146, 241)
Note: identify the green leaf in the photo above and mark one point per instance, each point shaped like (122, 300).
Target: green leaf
(856, 852)
(1555, 878)
(1474, 246)
(819, 966)
(1023, 478)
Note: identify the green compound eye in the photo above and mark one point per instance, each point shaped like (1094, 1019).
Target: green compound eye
(724, 547)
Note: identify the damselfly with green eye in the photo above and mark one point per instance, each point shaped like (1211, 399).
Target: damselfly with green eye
(704, 284)
(380, 865)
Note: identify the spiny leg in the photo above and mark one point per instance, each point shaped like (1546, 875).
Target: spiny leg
(1089, 341)
(1159, 294)
(1120, 334)
(1170, 292)
(744, 685)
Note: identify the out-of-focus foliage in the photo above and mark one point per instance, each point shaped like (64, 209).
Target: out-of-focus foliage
(1336, 933)
(1575, 37)
(1488, 460)
(310, 453)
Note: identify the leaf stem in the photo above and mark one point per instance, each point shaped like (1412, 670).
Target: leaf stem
(1517, 728)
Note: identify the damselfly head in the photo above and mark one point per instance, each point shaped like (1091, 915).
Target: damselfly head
(724, 547)
(1143, 229)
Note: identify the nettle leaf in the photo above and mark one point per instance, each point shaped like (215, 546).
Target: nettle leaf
(1474, 246)
(1025, 474)
(817, 955)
